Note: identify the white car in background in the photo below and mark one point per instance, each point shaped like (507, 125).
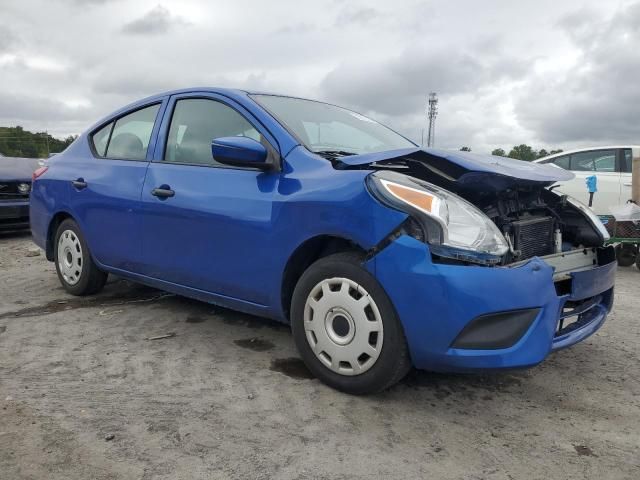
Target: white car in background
(611, 166)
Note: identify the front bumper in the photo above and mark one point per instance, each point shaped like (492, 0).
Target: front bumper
(14, 214)
(435, 302)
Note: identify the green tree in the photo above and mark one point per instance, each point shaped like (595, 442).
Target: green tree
(523, 152)
(499, 152)
(17, 142)
(465, 149)
(542, 153)
(553, 152)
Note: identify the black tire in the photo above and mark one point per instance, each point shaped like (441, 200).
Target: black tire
(626, 254)
(89, 279)
(638, 261)
(393, 361)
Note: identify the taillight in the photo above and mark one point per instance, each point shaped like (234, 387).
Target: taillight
(38, 173)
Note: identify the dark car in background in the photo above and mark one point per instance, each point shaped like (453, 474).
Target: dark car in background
(15, 187)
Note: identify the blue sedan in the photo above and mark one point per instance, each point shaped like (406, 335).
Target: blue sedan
(379, 254)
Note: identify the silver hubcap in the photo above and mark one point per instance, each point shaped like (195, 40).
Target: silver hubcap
(343, 326)
(70, 257)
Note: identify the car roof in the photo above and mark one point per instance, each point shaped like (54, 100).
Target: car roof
(232, 93)
(588, 149)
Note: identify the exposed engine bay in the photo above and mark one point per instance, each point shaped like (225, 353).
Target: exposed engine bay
(533, 219)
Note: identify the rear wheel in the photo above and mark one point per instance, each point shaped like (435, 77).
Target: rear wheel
(76, 270)
(345, 326)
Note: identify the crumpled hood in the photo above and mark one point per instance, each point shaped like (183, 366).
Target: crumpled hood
(469, 170)
(15, 169)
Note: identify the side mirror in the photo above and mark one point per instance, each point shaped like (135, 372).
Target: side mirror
(239, 151)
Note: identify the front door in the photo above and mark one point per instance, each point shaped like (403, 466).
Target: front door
(599, 163)
(205, 225)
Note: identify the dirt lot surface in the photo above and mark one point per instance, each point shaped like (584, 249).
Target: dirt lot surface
(84, 394)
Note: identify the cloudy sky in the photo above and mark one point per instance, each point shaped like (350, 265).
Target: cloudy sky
(548, 73)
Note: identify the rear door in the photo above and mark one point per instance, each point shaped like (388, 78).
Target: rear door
(211, 233)
(603, 164)
(105, 187)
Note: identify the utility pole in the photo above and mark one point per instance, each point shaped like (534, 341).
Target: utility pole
(432, 112)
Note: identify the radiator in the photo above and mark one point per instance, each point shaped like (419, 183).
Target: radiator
(533, 237)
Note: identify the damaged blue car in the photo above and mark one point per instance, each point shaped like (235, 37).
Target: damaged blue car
(379, 254)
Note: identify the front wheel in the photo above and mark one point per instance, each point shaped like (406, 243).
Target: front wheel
(78, 273)
(345, 327)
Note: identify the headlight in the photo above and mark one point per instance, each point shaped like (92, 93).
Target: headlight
(24, 188)
(453, 227)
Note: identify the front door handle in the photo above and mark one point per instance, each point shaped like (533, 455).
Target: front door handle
(79, 184)
(627, 184)
(163, 191)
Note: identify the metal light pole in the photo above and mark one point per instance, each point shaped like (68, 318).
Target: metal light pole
(432, 112)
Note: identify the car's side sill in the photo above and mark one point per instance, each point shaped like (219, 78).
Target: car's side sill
(202, 295)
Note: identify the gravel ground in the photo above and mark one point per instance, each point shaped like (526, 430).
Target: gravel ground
(86, 395)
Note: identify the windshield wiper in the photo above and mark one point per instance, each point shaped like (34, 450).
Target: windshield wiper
(334, 153)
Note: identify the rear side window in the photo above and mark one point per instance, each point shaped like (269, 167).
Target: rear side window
(594, 161)
(195, 123)
(128, 137)
(626, 161)
(100, 139)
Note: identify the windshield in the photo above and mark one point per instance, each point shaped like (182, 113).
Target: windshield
(325, 128)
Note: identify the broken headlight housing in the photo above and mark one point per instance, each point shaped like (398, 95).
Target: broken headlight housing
(453, 227)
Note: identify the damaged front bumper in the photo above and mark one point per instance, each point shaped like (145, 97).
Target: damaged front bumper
(462, 318)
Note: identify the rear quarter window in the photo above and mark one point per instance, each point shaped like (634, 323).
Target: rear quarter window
(100, 139)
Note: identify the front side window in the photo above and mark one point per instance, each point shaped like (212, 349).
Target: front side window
(328, 128)
(198, 121)
(131, 135)
(594, 161)
(562, 162)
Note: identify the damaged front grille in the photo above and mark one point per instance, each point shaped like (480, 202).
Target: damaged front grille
(533, 237)
(577, 314)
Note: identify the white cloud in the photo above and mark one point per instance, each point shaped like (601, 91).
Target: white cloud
(158, 20)
(542, 72)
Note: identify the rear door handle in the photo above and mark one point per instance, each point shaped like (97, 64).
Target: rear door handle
(163, 191)
(627, 184)
(79, 184)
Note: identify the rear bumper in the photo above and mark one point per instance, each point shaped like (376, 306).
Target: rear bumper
(435, 302)
(14, 214)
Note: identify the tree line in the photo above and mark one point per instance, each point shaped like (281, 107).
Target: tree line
(18, 142)
(520, 152)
